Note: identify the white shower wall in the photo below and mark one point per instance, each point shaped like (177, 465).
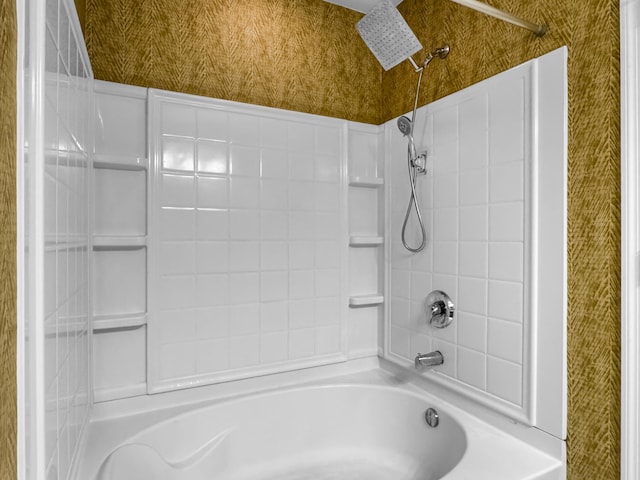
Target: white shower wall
(252, 240)
(119, 241)
(249, 267)
(493, 202)
(57, 144)
(247, 264)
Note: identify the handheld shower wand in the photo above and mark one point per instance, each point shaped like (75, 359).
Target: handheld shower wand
(406, 127)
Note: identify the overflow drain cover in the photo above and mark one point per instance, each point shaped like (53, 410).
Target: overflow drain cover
(431, 417)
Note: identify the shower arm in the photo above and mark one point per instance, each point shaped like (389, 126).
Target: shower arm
(539, 30)
(417, 68)
(440, 52)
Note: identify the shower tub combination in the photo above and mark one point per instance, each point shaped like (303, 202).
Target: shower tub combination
(217, 254)
(283, 397)
(342, 424)
(338, 418)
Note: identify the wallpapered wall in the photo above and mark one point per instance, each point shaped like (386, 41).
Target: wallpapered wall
(305, 55)
(481, 47)
(291, 54)
(8, 54)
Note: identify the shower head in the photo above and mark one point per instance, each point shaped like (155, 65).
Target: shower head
(405, 125)
(387, 35)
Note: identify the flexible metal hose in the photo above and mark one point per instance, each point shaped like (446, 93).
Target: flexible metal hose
(413, 174)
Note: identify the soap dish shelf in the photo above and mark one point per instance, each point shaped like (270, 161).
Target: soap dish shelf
(367, 182)
(365, 240)
(356, 301)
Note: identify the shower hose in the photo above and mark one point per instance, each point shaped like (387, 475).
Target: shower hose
(413, 175)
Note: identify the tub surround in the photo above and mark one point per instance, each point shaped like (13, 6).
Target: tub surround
(220, 158)
(242, 266)
(55, 165)
(493, 201)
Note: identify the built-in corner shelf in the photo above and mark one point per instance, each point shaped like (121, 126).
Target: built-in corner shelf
(367, 182)
(112, 322)
(365, 240)
(120, 162)
(365, 300)
(114, 242)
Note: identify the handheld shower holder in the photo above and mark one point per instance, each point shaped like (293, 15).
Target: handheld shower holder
(420, 163)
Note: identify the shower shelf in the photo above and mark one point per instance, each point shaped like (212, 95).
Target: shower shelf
(119, 242)
(366, 300)
(120, 162)
(111, 322)
(368, 182)
(365, 240)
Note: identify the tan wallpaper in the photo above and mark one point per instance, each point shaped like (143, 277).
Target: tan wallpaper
(304, 55)
(482, 46)
(292, 54)
(8, 423)
(81, 6)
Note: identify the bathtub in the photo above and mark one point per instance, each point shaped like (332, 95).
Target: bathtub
(365, 425)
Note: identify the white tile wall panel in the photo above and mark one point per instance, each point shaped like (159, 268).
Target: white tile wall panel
(58, 147)
(121, 121)
(119, 208)
(119, 256)
(125, 368)
(479, 201)
(248, 240)
(364, 149)
(119, 281)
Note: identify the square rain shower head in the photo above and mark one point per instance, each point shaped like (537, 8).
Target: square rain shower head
(388, 35)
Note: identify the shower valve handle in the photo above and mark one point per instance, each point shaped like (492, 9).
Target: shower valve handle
(440, 309)
(437, 308)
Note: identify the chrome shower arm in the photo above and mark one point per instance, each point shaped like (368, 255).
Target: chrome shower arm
(441, 52)
(415, 65)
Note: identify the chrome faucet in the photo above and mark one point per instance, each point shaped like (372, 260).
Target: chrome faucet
(429, 359)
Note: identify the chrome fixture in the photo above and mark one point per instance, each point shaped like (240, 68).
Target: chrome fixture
(390, 38)
(430, 359)
(440, 309)
(431, 417)
(419, 161)
(387, 35)
(417, 164)
(391, 41)
(441, 53)
(539, 30)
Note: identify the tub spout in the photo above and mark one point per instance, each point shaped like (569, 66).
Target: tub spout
(429, 359)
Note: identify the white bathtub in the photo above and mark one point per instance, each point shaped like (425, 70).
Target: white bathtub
(363, 426)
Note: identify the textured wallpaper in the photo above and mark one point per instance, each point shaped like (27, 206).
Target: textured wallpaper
(481, 47)
(8, 421)
(305, 55)
(300, 55)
